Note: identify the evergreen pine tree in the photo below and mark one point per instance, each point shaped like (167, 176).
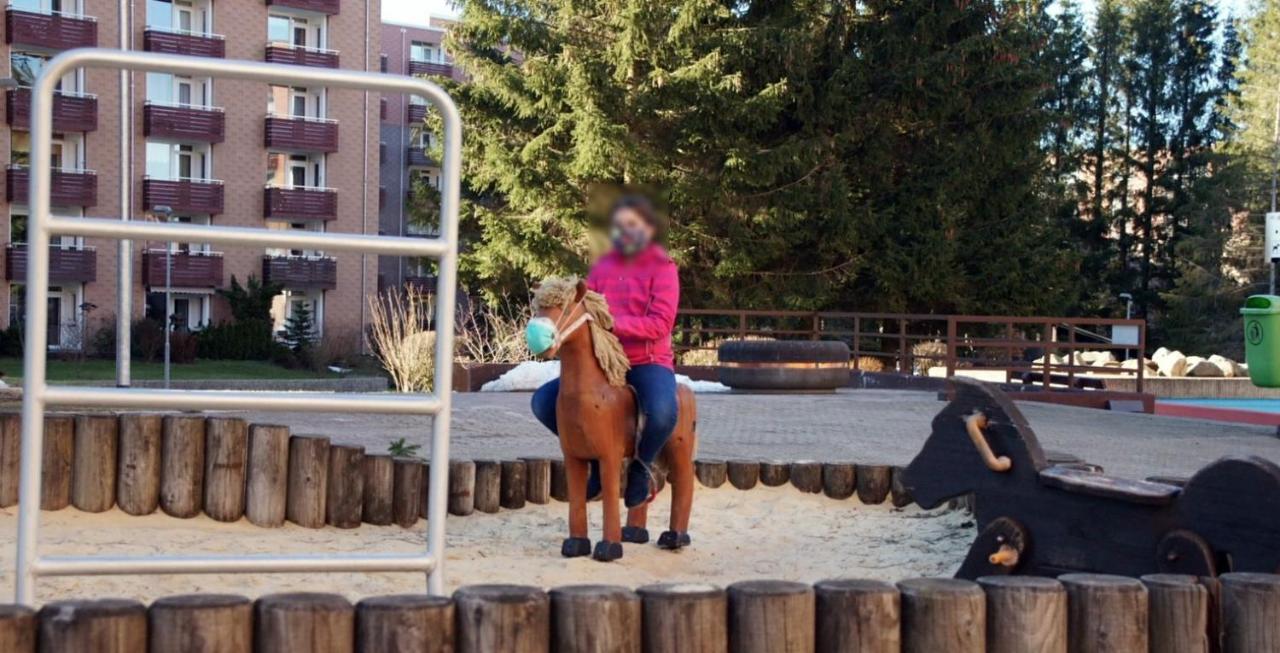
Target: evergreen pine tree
(299, 328)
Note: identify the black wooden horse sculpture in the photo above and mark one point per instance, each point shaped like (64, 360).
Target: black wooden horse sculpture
(1042, 519)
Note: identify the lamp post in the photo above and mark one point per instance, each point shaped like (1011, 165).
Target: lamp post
(165, 214)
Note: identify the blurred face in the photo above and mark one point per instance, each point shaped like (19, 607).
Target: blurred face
(629, 231)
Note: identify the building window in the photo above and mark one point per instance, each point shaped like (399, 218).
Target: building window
(425, 52)
(177, 161)
(71, 7)
(190, 311)
(296, 31)
(295, 170)
(25, 67)
(179, 90)
(181, 16)
(64, 153)
(299, 226)
(296, 102)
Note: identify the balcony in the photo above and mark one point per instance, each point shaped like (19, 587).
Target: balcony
(430, 68)
(320, 6)
(416, 113)
(301, 134)
(70, 187)
(416, 157)
(72, 112)
(310, 203)
(183, 195)
(52, 30)
(299, 56)
(184, 122)
(186, 269)
(300, 272)
(194, 44)
(66, 265)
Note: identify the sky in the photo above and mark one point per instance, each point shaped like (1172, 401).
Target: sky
(415, 12)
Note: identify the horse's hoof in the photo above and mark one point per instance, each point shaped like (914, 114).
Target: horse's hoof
(635, 534)
(672, 540)
(607, 551)
(575, 547)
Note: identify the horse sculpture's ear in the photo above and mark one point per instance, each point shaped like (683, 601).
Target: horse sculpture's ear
(581, 291)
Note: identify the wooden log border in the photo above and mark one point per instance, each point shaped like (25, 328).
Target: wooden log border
(915, 616)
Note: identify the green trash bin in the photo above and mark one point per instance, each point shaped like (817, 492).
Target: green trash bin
(1262, 339)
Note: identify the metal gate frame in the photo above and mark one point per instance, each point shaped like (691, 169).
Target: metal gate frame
(38, 394)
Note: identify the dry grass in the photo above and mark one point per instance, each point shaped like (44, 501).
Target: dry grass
(399, 338)
(929, 354)
(870, 364)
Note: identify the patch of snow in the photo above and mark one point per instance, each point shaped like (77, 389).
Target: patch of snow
(530, 375)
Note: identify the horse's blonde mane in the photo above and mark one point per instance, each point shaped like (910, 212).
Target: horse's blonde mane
(559, 292)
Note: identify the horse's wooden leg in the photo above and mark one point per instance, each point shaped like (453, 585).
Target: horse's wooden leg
(609, 547)
(682, 479)
(636, 531)
(577, 544)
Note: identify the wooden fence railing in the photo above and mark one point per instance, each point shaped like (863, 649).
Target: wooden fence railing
(1024, 348)
(1077, 612)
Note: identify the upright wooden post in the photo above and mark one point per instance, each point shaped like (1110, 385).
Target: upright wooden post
(182, 465)
(508, 618)
(806, 476)
(684, 618)
(1178, 609)
(874, 483)
(93, 481)
(744, 474)
(559, 482)
(857, 616)
(900, 495)
(406, 491)
(93, 626)
(315, 623)
(17, 629)
(595, 619)
(266, 491)
(1106, 614)
(379, 488)
(1250, 612)
(201, 623)
(226, 462)
(839, 480)
(425, 494)
(1025, 614)
(462, 483)
(538, 476)
(406, 623)
(344, 498)
(711, 472)
(138, 472)
(488, 485)
(55, 466)
(771, 616)
(308, 480)
(513, 485)
(943, 615)
(774, 473)
(10, 455)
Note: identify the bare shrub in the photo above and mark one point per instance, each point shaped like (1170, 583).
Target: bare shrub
(932, 353)
(337, 347)
(492, 333)
(870, 364)
(399, 337)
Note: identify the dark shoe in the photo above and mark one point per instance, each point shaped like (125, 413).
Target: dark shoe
(607, 551)
(672, 540)
(635, 534)
(594, 488)
(575, 547)
(639, 484)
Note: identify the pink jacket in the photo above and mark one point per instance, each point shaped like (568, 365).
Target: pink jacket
(643, 293)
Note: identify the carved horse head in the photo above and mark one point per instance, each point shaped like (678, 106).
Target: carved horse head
(566, 312)
(980, 440)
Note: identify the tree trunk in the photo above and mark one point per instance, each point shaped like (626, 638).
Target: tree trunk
(407, 491)
(942, 615)
(595, 619)
(462, 481)
(93, 626)
(857, 615)
(873, 483)
(406, 623)
(1025, 614)
(1178, 613)
(1250, 612)
(513, 486)
(806, 476)
(774, 473)
(508, 618)
(684, 618)
(1106, 614)
(710, 472)
(10, 455)
(839, 480)
(743, 474)
(538, 480)
(17, 629)
(488, 485)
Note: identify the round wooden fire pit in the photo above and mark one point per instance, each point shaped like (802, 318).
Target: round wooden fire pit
(784, 365)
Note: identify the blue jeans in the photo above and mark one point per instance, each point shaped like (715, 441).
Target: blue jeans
(656, 392)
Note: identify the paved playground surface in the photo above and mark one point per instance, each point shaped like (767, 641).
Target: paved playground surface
(886, 426)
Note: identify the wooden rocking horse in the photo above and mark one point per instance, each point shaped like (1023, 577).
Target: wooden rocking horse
(597, 420)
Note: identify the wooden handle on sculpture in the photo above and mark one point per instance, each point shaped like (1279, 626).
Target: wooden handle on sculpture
(974, 424)
(1005, 556)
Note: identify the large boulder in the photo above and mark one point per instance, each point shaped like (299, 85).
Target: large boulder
(1160, 354)
(1202, 367)
(1229, 367)
(1172, 364)
(1133, 363)
(1101, 358)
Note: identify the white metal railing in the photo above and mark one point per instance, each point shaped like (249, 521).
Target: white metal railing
(194, 180)
(183, 32)
(290, 116)
(50, 12)
(38, 394)
(183, 105)
(305, 48)
(62, 93)
(68, 170)
(318, 189)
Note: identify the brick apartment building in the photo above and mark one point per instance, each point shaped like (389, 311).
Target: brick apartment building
(217, 151)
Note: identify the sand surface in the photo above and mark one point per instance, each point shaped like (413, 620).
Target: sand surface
(762, 533)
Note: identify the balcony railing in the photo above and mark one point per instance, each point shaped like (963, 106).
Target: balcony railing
(186, 269)
(66, 265)
(430, 68)
(322, 6)
(196, 44)
(70, 187)
(300, 272)
(310, 203)
(52, 29)
(72, 112)
(184, 122)
(301, 133)
(300, 56)
(416, 157)
(416, 113)
(183, 195)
